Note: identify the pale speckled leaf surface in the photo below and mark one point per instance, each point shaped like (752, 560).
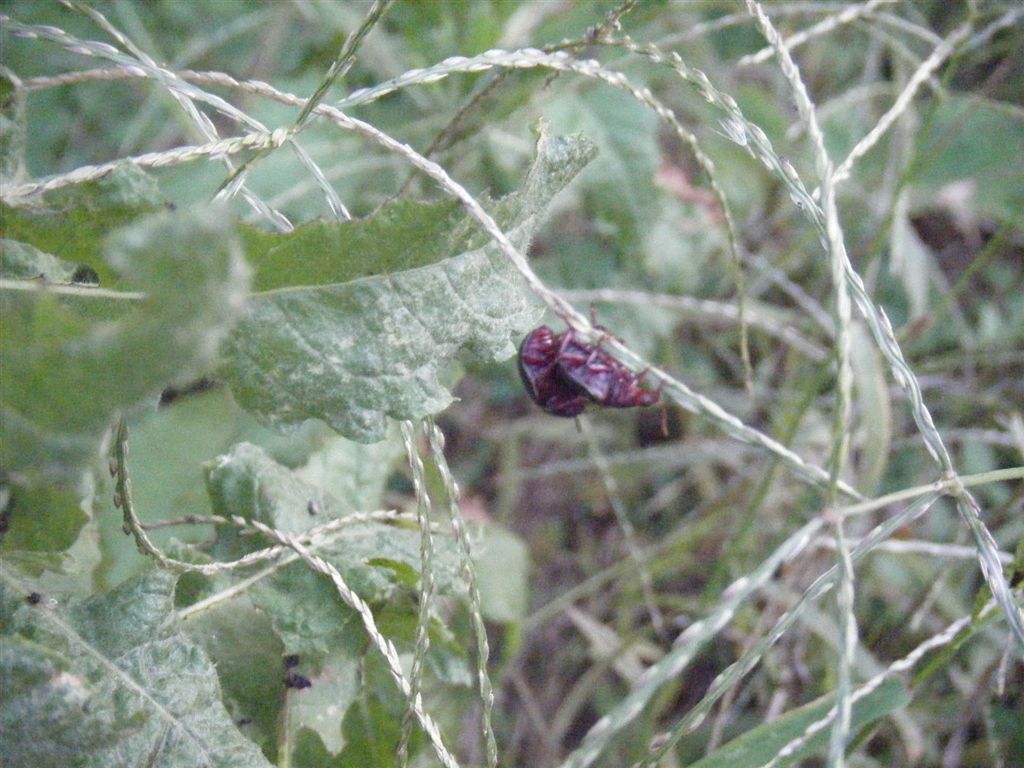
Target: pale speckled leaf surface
(117, 663)
(351, 322)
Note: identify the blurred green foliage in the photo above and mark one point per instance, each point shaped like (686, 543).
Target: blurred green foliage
(132, 295)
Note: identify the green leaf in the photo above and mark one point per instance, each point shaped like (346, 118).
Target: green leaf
(875, 428)
(353, 474)
(247, 482)
(69, 367)
(74, 222)
(42, 518)
(47, 716)
(619, 185)
(248, 656)
(446, 661)
(372, 730)
(304, 606)
(403, 572)
(322, 254)
(12, 127)
(971, 140)
(167, 447)
(503, 570)
(119, 664)
(371, 727)
(759, 745)
(351, 322)
(322, 707)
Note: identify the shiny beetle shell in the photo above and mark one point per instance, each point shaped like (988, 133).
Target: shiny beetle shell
(562, 373)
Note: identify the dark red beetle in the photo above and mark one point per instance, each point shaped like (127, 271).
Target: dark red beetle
(606, 380)
(562, 373)
(544, 381)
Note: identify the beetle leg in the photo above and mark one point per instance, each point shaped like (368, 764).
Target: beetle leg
(592, 360)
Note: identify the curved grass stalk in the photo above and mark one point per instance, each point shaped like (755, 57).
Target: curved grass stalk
(738, 669)
(830, 23)
(345, 58)
(945, 637)
(687, 646)
(927, 548)
(704, 28)
(426, 587)
(383, 644)
(182, 92)
(942, 52)
(338, 68)
(946, 486)
(836, 248)
(483, 651)
(314, 537)
(170, 80)
(14, 193)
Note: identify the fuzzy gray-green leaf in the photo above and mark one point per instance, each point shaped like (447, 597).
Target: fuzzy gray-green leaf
(352, 322)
